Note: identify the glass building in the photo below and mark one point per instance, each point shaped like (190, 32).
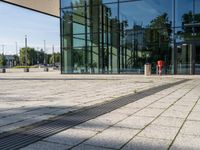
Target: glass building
(120, 36)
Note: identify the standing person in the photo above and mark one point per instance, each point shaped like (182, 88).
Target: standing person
(160, 64)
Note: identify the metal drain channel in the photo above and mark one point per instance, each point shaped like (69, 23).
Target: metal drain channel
(17, 139)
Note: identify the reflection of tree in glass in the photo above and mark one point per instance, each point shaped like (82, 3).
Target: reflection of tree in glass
(78, 57)
(157, 38)
(190, 26)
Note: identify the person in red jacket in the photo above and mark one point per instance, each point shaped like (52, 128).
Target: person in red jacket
(160, 64)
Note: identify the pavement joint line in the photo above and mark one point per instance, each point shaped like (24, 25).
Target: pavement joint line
(124, 119)
(157, 116)
(183, 124)
(130, 98)
(152, 138)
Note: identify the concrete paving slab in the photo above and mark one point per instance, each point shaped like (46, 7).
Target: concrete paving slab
(94, 125)
(175, 114)
(168, 100)
(142, 143)
(195, 116)
(168, 121)
(159, 132)
(112, 117)
(186, 102)
(103, 122)
(71, 136)
(113, 137)
(135, 122)
(197, 108)
(149, 112)
(126, 110)
(181, 108)
(186, 142)
(89, 147)
(41, 145)
(137, 105)
(191, 128)
(159, 105)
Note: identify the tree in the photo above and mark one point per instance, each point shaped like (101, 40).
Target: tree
(2, 60)
(16, 59)
(31, 56)
(54, 58)
(40, 56)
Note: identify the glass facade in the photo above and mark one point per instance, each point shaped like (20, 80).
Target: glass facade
(120, 36)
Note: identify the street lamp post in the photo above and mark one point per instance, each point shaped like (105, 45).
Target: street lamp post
(46, 69)
(16, 46)
(26, 69)
(3, 46)
(53, 55)
(25, 50)
(44, 52)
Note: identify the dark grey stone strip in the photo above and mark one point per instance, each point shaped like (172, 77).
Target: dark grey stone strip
(19, 138)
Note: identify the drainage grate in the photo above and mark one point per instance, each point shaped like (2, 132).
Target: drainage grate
(19, 138)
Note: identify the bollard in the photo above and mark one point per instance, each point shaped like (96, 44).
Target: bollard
(46, 69)
(26, 69)
(3, 70)
(147, 69)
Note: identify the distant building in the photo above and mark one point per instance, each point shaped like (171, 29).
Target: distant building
(10, 61)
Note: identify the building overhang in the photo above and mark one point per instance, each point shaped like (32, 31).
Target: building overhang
(49, 7)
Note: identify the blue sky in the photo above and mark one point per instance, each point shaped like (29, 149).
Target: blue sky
(16, 22)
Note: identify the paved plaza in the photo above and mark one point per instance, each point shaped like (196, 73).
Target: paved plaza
(167, 119)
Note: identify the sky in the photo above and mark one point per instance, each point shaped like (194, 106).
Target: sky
(16, 22)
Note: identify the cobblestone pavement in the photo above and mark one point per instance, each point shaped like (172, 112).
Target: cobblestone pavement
(169, 119)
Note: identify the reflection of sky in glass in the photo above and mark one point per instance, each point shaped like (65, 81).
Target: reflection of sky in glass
(182, 7)
(197, 6)
(114, 9)
(142, 12)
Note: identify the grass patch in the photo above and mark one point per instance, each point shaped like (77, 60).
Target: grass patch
(22, 67)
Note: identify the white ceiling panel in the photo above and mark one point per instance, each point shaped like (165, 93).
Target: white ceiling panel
(50, 7)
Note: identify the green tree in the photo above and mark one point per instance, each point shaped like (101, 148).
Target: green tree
(54, 58)
(40, 56)
(16, 59)
(31, 56)
(2, 61)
